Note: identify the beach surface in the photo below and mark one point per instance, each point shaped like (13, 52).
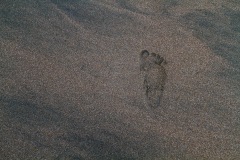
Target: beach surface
(71, 86)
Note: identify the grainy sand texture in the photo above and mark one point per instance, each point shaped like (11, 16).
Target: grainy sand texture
(71, 86)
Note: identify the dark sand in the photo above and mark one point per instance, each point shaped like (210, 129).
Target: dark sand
(71, 88)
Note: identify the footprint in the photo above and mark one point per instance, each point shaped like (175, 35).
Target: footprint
(151, 65)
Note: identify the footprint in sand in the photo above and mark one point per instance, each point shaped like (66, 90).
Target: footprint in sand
(151, 65)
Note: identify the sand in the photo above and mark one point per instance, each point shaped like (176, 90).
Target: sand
(71, 88)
